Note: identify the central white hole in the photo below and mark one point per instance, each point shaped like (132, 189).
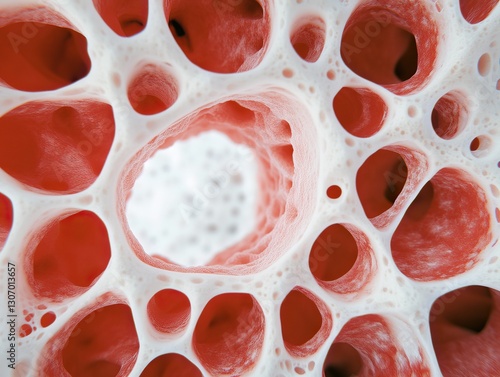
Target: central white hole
(195, 199)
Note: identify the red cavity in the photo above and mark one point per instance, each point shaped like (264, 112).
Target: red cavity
(72, 252)
(229, 335)
(308, 38)
(25, 330)
(476, 11)
(368, 346)
(382, 40)
(305, 322)
(214, 34)
(169, 311)
(152, 90)
(171, 364)
(104, 343)
(380, 180)
(449, 115)
(39, 57)
(334, 192)
(465, 327)
(433, 240)
(58, 147)
(47, 319)
(360, 111)
(341, 259)
(333, 254)
(6, 218)
(258, 124)
(125, 18)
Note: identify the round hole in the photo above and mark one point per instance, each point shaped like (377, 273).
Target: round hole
(57, 147)
(382, 44)
(308, 38)
(333, 254)
(430, 229)
(288, 73)
(476, 11)
(229, 334)
(152, 90)
(334, 192)
(39, 57)
(300, 319)
(360, 111)
(474, 145)
(169, 311)
(412, 111)
(380, 180)
(480, 146)
(47, 319)
(484, 64)
(219, 35)
(449, 115)
(171, 364)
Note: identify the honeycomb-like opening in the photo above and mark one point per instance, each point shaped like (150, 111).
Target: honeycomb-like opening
(308, 38)
(56, 147)
(360, 111)
(431, 242)
(101, 342)
(341, 259)
(68, 255)
(449, 115)
(169, 311)
(249, 188)
(465, 324)
(125, 18)
(254, 125)
(171, 364)
(373, 345)
(481, 146)
(476, 11)
(212, 33)
(229, 334)
(382, 40)
(42, 45)
(305, 322)
(152, 90)
(380, 180)
(334, 192)
(221, 192)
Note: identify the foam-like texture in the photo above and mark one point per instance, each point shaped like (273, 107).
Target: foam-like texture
(250, 188)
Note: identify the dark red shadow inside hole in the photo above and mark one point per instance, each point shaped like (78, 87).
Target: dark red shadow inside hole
(40, 57)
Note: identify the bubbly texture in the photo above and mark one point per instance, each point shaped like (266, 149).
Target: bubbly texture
(251, 187)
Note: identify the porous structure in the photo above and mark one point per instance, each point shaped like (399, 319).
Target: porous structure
(250, 188)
